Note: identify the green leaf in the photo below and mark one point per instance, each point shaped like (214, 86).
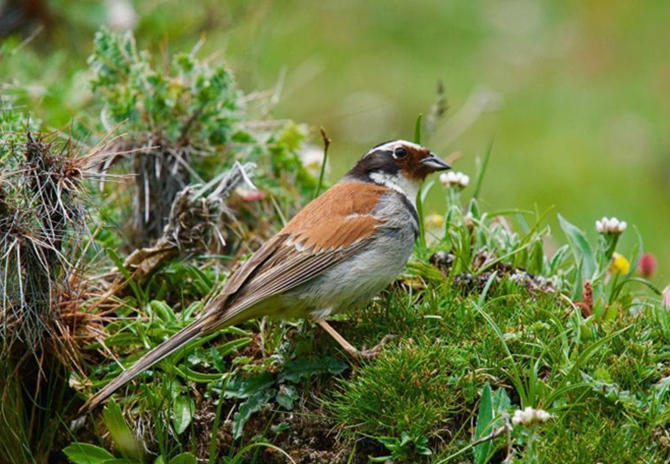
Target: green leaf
(287, 396)
(227, 348)
(580, 248)
(118, 262)
(163, 311)
(558, 259)
(246, 386)
(184, 407)
(191, 375)
(123, 339)
(254, 403)
(482, 171)
(417, 129)
(501, 401)
(536, 258)
(83, 453)
(184, 458)
(126, 442)
(484, 425)
(298, 369)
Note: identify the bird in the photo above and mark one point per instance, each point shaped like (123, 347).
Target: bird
(336, 254)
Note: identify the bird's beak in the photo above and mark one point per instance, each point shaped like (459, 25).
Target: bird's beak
(434, 163)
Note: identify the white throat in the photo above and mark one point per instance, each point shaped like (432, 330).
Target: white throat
(399, 184)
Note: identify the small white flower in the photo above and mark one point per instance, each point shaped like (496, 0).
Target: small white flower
(454, 179)
(610, 226)
(529, 416)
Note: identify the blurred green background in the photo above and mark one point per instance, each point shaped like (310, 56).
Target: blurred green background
(575, 95)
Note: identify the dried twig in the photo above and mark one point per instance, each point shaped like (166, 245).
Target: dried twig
(196, 218)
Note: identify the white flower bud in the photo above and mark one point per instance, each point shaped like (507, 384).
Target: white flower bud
(446, 178)
(454, 179)
(610, 226)
(606, 224)
(529, 417)
(599, 226)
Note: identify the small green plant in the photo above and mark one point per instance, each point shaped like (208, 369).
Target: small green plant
(493, 407)
(405, 447)
(84, 453)
(258, 386)
(183, 122)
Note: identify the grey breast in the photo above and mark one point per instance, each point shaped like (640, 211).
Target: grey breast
(358, 279)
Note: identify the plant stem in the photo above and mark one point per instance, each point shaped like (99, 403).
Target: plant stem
(326, 144)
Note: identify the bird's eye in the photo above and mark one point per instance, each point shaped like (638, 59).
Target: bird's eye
(400, 152)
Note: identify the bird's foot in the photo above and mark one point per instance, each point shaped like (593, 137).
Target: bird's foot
(373, 352)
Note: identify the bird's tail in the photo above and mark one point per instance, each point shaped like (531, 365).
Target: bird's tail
(169, 346)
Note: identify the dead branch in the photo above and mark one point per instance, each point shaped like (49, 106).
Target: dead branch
(196, 219)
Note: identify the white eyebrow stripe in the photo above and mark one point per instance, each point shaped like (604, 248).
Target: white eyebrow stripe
(395, 144)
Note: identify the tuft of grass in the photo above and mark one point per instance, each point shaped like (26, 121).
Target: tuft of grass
(45, 249)
(412, 388)
(590, 433)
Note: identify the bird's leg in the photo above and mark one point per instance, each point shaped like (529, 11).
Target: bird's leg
(348, 347)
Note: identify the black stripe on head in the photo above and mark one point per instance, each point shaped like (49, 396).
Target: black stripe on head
(381, 161)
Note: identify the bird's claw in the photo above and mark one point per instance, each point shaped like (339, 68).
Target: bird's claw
(373, 352)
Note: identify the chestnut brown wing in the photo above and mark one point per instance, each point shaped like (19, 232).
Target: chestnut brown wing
(332, 228)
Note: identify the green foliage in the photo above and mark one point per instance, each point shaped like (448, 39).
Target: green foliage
(492, 408)
(14, 125)
(588, 432)
(83, 453)
(184, 409)
(123, 438)
(186, 100)
(260, 388)
(402, 448)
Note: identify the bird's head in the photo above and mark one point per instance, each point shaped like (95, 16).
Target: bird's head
(398, 159)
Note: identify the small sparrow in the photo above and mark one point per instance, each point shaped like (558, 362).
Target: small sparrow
(337, 253)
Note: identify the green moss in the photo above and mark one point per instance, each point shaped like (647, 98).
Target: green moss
(412, 388)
